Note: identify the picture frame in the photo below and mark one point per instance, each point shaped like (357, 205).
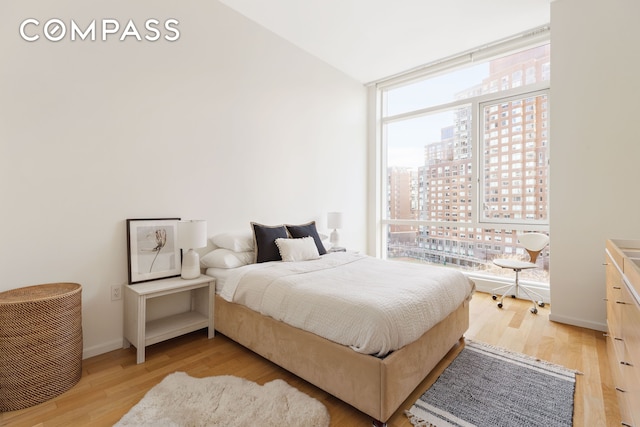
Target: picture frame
(152, 249)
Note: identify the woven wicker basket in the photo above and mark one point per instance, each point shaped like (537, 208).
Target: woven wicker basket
(40, 343)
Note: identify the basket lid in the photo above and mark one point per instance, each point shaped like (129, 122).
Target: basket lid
(38, 292)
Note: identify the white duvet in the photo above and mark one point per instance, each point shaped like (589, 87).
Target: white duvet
(371, 305)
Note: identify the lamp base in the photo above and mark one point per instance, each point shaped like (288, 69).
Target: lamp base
(334, 238)
(190, 265)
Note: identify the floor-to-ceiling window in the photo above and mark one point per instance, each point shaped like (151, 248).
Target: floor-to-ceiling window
(464, 158)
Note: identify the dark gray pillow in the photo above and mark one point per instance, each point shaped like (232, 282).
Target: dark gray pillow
(265, 237)
(306, 230)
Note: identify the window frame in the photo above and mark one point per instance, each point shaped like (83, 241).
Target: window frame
(381, 220)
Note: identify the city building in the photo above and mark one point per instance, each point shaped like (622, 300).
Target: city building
(513, 175)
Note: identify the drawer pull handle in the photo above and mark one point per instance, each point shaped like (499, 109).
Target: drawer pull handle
(625, 424)
(620, 390)
(617, 287)
(620, 302)
(619, 339)
(626, 363)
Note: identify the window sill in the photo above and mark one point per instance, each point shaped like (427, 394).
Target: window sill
(487, 283)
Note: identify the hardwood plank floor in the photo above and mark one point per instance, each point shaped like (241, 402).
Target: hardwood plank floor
(112, 383)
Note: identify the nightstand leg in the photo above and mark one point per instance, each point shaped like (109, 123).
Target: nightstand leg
(212, 294)
(142, 318)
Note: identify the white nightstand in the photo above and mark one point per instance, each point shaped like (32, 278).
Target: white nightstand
(141, 333)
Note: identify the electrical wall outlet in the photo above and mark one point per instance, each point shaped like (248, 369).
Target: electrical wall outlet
(116, 292)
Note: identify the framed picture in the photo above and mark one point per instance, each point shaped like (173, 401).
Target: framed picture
(152, 249)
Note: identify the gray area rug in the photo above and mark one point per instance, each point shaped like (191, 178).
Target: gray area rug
(489, 386)
(181, 400)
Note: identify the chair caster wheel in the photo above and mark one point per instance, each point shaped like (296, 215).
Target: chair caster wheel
(513, 296)
(534, 310)
(495, 297)
(499, 305)
(540, 303)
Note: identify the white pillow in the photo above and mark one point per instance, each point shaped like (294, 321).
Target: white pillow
(237, 241)
(297, 249)
(224, 258)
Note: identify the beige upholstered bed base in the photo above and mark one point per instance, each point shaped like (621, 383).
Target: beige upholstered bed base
(373, 385)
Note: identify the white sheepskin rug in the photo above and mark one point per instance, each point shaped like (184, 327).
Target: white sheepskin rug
(181, 400)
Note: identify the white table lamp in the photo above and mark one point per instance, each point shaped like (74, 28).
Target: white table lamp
(334, 220)
(191, 234)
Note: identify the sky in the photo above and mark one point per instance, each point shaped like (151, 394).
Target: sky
(406, 139)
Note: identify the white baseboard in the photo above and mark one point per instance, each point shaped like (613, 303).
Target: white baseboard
(102, 348)
(597, 326)
(483, 284)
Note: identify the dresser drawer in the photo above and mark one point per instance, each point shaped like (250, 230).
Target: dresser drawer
(630, 328)
(614, 284)
(616, 254)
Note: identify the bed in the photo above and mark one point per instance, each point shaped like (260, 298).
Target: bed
(374, 369)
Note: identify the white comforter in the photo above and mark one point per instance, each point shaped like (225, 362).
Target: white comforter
(371, 305)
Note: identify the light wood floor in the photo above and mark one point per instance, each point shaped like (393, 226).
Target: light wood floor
(112, 383)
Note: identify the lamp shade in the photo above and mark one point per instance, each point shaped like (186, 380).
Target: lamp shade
(192, 234)
(334, 220)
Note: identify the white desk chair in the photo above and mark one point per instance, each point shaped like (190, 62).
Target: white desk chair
(534, 243)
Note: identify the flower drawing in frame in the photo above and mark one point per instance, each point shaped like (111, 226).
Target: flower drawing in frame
(152, 249)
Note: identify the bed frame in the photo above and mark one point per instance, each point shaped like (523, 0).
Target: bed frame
(375, 386)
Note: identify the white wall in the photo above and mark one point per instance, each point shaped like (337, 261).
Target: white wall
(595, 152)
(229, 124)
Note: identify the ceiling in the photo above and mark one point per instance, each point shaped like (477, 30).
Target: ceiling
(373, 39)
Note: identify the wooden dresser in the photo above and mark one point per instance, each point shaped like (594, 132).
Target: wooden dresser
(623, 323)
